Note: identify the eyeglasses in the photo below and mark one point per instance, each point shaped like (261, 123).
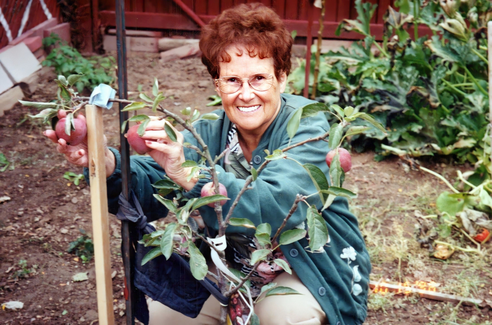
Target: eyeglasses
(231, 84)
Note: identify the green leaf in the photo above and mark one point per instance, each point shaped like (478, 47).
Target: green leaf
(155, 88)
(145, 98)
(198, 264)
(142, 127)
(189, 163)
(336, 171)
(263, 239)
(134, 106)
(242, 222)
(282, 291)
(186, 111)
(317, 230)
(371, 120)
(170, 132)
(340, 191)
(38, 104)
(73, 79)
(254, 174)
(63, 80)
(153, 253)
(314, 109)
(264, 228)
(277, 154)
(208, 199)
(169, 204)
(69, 124)
(356, 129)
(167, 240)
(216, 100)
(259, 255)
(166, 184)
(46, 114)
(451, 203)
(138, 118)
(283, 264)
(210, 116)
(336, 133)
(291, 236)
(318, 178)
(157, 101)
(294, 122)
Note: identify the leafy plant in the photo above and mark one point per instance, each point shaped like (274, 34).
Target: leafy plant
(68, 61)
(4, 163)
(83, 247)
(430, 94)
(73, 177)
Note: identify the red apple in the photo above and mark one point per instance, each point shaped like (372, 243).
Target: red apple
(343, 156)
(209, 189)
(76, 136)
(135, 141)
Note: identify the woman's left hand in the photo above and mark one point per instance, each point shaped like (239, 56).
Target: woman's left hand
(167, 153)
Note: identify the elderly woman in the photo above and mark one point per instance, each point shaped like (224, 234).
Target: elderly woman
(247, 51)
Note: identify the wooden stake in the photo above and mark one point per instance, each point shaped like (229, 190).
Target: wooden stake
(489, 47)
(99, 204)
(386, 287)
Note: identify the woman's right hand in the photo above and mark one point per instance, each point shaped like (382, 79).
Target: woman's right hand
(79, 154)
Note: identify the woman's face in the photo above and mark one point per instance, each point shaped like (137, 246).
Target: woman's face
(251, 110)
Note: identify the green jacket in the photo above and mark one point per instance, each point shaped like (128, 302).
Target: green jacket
(338, 277)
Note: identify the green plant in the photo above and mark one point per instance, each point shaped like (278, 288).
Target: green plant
(73, 177)
(4, 163)
(24, 270)
(83, 247)
(428, 92)
(68, 61)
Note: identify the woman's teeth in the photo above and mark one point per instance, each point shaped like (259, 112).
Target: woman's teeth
(248, 108)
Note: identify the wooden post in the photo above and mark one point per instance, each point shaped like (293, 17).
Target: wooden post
(99, 204)
(489, 46)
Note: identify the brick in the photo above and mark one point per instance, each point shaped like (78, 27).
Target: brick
(5, 81)
(33, 43)
(19, 62)
(62, 30)
(138, 33)
(21, 38)
(9, 98)
(167, 43)
(39, 53)
(134, 44)
(5, 48)
(186, 51)
(30, 84)
(39, 29)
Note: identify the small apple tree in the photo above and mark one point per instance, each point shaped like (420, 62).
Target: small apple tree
(179, 236)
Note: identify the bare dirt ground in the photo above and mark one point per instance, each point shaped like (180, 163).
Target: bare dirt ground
(42, 213)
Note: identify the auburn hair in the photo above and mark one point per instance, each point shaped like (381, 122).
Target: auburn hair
(256, 27)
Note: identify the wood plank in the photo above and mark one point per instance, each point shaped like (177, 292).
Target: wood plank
(100, 221)
(343, 10)
(226, 4)
(159, 21)
(138, 6)
(279, 7)
(200, 7)
(291, 9)
(382, 8)
(331, 10)
(213, 8)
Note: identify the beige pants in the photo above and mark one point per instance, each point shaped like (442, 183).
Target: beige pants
(274, 310)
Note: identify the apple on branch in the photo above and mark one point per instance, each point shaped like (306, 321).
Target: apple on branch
(343, 156)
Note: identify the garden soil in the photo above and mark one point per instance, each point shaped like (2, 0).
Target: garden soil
(41, 213)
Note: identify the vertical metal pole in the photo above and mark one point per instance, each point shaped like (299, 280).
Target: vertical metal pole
(128, 252)
(309, 42)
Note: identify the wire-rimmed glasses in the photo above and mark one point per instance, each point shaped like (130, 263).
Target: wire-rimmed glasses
(232, 84)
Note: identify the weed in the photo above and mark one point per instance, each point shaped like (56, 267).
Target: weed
(68, 61)
(82, 247)
(4, 163)
(74, 178)
(23, 271)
